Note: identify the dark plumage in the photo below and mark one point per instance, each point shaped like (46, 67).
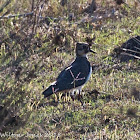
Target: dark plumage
(75, 75)
(119, 2)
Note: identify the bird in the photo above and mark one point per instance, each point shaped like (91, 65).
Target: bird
(74, 76)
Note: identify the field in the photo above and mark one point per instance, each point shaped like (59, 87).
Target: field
(37, 40)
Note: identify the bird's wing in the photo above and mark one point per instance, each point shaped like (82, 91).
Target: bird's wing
(62, 72)
(73, 76)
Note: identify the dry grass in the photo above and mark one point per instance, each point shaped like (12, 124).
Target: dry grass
(32, 53)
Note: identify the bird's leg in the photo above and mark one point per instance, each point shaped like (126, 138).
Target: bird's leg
(63, 95)
(80, 96)
(72, 95)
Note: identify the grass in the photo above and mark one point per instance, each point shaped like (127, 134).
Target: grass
(28, 65)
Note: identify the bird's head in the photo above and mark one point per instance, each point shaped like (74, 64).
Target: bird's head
(82, 49)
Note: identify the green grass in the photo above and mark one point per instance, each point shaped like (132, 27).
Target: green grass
(113, 114)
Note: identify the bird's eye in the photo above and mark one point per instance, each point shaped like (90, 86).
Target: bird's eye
(85, 47)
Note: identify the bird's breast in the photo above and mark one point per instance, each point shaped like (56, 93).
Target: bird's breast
(89, 74)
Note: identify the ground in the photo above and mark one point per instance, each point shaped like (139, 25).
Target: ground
(33, 52)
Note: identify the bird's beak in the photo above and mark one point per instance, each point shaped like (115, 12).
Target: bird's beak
(91, 51)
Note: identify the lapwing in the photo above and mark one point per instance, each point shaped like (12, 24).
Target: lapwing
(73, 77)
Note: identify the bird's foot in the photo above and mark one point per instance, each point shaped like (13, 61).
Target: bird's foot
(72, 97)
(80, 97)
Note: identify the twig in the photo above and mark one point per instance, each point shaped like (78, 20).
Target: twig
(8, 11)
(40, 8)
(137, 48)
(17, 15)
(35, 19)
(32, 8)
(4, 5)
(131, 55)
(76, 78)
(96, 18)
(130, 50)
(135, 39)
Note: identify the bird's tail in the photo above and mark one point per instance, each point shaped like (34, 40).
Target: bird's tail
(50, 90)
